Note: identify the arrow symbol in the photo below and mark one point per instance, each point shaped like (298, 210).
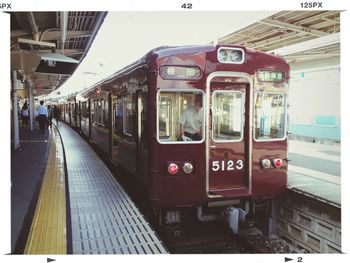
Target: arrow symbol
(50, 260)
(287, 259)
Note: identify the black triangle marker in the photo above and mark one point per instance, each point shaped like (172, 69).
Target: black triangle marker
(50, 260)
(287, 259)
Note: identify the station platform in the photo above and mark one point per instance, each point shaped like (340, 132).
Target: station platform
(64, 200)
(315, 170)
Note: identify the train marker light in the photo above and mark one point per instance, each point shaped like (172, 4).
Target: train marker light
(173, 168)
(187, 168)
(265, 163)
(277, 162)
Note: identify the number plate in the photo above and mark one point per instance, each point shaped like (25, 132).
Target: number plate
(227, 165)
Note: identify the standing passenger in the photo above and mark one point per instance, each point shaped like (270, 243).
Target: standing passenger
(49, 116)
(25, 114)
(42, 116)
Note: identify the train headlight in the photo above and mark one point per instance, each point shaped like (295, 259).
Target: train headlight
(277, 162)
(265, 163)
(173, 168)
(230, 55)
(235, 56)
(223, 55)
(187, 168)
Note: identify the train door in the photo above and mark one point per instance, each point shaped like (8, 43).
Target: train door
(228, 136)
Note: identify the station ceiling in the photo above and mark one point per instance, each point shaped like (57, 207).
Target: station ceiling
(43, 28)
(281, 30)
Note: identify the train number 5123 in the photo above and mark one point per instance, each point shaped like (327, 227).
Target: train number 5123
(229, 165)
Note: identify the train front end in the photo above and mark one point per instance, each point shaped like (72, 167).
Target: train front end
(220, 130)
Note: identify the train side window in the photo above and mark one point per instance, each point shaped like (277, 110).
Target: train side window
(178, 119)
(118, 113)
(93, 111)
(105, 119)
(228, 112)
(84, 114)
(101, 104)
(128, 113)
(270, 116)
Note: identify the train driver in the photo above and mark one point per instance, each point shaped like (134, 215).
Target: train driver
(191, 120)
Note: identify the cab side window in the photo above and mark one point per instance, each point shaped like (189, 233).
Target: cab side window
(180, 116)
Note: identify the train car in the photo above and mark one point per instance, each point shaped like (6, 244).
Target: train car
(84, 116)
(72, 111)
(200, 128)
(60, 106)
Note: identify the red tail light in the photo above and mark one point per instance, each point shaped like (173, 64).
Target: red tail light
(173, 168)
(277, 163)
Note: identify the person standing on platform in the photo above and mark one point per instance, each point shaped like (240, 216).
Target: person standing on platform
(56, 113)
(25, 115)
(49, 116)
(42, 116)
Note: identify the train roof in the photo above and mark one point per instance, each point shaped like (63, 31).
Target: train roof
(165, 51)
(176, 50)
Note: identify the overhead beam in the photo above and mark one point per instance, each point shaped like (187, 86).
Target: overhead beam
(67, 52)
(249, 21)
(100, 18)
(308, 45)
(36, 43)
(275, 39)
(321, 16)
(301, 29)
(19, 33)
(53, 35)
(312, 56)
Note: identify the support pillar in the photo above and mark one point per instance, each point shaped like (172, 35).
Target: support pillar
(31, 105)
(15, 111)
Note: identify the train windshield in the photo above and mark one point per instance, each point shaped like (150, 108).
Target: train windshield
(180, 117)
(228, 108)
(270, 115)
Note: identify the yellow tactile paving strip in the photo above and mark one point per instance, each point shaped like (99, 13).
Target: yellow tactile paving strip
(48, 231)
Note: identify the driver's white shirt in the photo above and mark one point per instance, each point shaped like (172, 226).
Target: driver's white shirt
(191, 120)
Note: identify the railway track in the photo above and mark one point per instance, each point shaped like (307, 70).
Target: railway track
(199, 238)
(216, 238)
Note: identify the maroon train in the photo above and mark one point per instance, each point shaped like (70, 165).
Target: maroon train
(239, 156)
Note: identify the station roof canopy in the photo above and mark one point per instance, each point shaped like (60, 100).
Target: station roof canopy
(283, 29)
(295, 35)
(57, 38)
